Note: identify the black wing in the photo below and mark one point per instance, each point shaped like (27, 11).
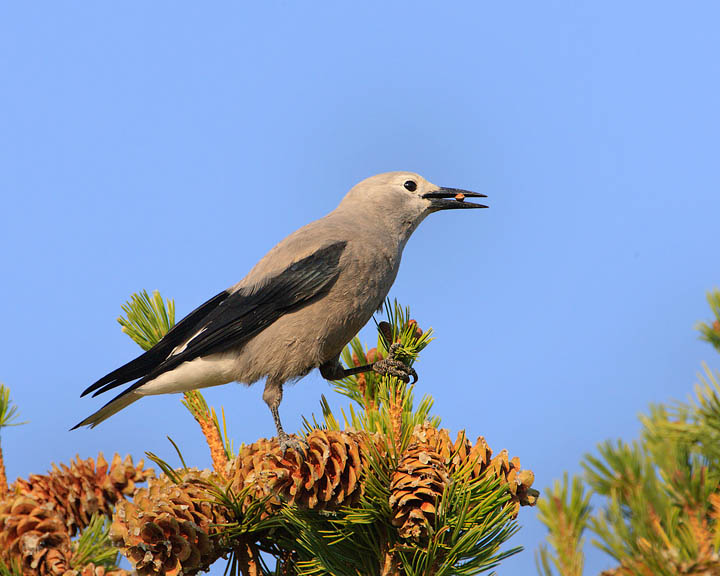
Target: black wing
(230, 320)
(150, 359)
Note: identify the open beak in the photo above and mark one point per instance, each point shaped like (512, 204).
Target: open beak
(452, 198)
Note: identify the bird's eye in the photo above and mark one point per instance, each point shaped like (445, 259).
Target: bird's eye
(410, 185)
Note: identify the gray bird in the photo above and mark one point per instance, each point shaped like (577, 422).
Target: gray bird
(298, 307)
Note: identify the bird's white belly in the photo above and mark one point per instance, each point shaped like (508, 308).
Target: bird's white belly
(199, 373)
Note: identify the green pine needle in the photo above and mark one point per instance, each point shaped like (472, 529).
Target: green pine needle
(195, 402)
(147, 318)
(8, 411)
(379, 392)
(174, 475)
(711, 332)
(656, 513)
(565, 511)
(12, 569)
(228, 443)
(93, 545)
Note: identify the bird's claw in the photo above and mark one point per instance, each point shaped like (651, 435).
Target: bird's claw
(293, 443)
(393, 367)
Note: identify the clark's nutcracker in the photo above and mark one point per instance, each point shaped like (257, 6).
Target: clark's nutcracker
(298, 307)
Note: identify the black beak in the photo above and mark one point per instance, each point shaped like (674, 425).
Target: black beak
(452, 198)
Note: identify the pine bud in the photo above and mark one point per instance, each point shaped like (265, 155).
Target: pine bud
(373, 355)
(417, 331)
(361, 383)
(387, 332)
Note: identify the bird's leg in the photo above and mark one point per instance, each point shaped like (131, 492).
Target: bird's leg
(333, 370)
(272, 395)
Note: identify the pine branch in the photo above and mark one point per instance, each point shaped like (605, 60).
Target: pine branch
(8, 417)
(147, 318)
(695, 425)
(220, 451)
(565, 511)
(386, 403)
(710, 332)
(660, 495)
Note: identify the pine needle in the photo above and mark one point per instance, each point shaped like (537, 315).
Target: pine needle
(147, 318)
(93, 545)
(8, 411)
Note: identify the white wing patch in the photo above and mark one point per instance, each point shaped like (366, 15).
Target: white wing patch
(181, 348)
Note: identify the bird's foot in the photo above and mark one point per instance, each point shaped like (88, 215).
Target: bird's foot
(393, 367)
(293, 443)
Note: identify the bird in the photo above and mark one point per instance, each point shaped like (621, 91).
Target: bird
(297, 308)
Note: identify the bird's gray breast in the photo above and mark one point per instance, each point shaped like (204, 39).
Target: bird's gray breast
(367, 275)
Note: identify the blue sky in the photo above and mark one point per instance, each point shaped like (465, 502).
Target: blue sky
(169, 145)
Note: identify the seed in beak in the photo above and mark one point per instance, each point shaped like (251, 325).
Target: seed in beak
(460, 197)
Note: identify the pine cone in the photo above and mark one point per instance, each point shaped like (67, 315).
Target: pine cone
(78, 491)
(327, 477)
(453, 454)
(416, 486)
(519, 481)
(167, 528)
(33, 533)
(457, 454)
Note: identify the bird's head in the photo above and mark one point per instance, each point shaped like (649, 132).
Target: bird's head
(409, 195)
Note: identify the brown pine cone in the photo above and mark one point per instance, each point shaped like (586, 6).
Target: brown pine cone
(457, 454)
(33, 533)
(519, 481)
(416, 486)
(84, 488)
(168, 528)
(328, 476)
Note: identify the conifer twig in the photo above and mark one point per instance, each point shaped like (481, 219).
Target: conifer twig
(710, 332)
(3, 476)
(390, 567)
(565, 511)
(8, 414)
(396, 413)
(195, 402)
(247, 560)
